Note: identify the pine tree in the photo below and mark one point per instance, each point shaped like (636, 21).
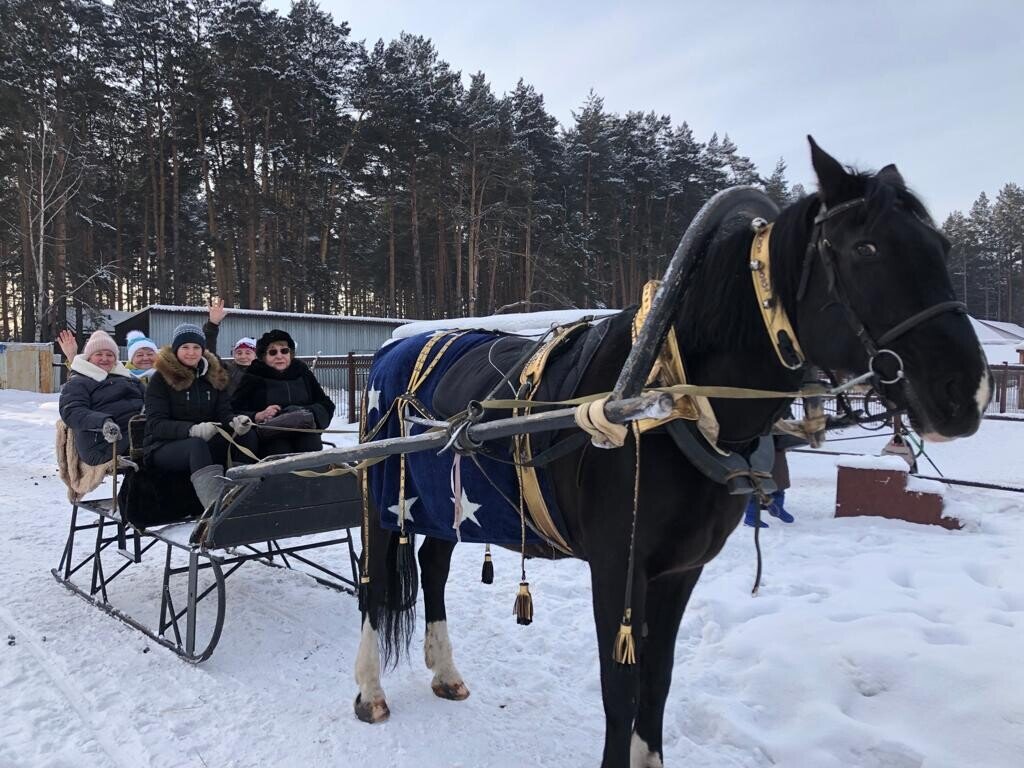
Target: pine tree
(776, 186)
(1008, 241)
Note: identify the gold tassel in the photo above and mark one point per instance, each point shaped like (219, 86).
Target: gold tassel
(625, 645)
(524, 604)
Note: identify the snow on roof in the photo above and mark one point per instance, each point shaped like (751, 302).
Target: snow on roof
(522, 323)
(268, 313)
(1009, 331)
(986, 333)
(94, 319)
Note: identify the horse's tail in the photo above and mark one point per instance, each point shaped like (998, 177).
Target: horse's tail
(389, 599)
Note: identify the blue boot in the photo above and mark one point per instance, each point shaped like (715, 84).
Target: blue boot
(776, 508)
(750, 516)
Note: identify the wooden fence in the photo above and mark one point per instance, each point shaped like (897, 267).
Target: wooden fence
(343, 377)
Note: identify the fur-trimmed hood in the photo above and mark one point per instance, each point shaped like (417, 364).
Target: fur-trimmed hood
(94, 372)
(179, 377)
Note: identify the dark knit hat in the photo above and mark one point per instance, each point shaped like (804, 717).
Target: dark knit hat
(270, 337)
(187, 333)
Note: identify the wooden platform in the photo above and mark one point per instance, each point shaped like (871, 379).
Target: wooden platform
(878, 487)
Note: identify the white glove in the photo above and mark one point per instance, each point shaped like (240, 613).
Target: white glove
(241, 424)
(111, 432)
(206, 430)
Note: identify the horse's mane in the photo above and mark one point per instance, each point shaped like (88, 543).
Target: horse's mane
(718, 306)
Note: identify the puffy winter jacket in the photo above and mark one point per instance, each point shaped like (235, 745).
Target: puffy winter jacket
(179, 397)
(89, 398)
(295, 385)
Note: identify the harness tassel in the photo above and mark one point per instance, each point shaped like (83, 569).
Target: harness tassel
(524, 605)
(624, 651)
(406, 585)
(487, 572)
(364, 594)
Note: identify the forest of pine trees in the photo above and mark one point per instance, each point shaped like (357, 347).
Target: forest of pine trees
(163, 151)
(986, 258)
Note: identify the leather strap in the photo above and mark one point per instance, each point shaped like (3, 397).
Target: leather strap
(776, 321)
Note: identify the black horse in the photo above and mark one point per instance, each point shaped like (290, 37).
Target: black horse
(857, 266)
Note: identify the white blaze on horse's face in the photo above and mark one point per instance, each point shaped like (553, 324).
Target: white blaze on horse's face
(984, 394)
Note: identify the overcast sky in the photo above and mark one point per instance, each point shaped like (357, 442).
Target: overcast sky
(936, 87)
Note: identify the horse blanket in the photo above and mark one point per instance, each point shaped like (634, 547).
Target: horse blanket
(446, 496)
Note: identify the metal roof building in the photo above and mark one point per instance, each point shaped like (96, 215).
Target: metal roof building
(313, 334)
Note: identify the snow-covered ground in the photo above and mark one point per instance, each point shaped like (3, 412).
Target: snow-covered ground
(873, 643)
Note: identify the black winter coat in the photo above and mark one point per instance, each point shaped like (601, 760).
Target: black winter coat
(295, 385)
(179, 397)
(89, 398)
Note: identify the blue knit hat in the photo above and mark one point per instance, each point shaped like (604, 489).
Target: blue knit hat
(187, 333)
(138, 340)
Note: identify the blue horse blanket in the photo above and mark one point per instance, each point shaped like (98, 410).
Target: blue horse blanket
(484, 514)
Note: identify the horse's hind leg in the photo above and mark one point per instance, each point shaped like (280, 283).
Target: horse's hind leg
(435, 557)
(666, 601)
(370, 705)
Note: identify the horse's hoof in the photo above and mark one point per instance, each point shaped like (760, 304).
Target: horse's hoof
(372, 712)
(451, 691)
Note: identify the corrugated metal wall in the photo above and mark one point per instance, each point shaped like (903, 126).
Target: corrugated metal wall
(312, 336)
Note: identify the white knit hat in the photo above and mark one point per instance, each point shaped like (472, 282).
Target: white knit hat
(138, 340)
(99, 341)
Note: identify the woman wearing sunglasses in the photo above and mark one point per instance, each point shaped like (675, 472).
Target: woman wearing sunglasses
(279, 391)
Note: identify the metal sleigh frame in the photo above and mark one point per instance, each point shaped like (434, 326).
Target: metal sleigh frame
(220, 542)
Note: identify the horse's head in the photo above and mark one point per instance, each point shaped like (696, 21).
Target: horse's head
(875, 294)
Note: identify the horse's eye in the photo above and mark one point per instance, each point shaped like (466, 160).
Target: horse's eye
(866, 249)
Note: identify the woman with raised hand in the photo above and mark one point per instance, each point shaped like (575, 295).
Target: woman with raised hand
(186, 402)
(279, 390)
(98, 400)
(242, 354)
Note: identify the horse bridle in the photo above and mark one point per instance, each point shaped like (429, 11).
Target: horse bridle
(875, 349)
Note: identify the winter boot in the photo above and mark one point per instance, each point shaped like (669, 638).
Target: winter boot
(750, 516)
(208, 483)
(776, 508)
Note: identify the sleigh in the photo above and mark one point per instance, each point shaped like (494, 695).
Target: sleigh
(176, 573)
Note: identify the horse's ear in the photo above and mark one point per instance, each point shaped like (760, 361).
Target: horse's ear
(890, 175)
(833, 180)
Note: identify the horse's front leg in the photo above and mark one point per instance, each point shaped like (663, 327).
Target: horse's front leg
(666, 600)
(435, 557)
(618, 681)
